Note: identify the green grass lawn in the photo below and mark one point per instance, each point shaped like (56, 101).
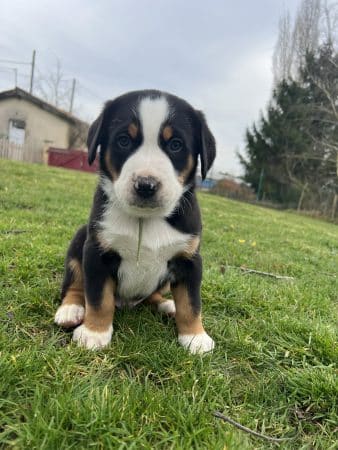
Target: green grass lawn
(274, 368)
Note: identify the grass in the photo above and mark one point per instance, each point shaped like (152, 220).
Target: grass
(274, 368)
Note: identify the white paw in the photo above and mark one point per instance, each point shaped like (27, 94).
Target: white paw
(167, 307)
(69, 315)
(196, 343)
(92, 339)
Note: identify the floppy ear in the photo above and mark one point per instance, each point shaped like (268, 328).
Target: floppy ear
(94, 138)
(207, 145)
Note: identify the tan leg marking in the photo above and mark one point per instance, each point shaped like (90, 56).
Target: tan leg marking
(191, 334)
(71, 311)
(187, 321)
(163, 305)
(99, 319)
(75, 292)
(157, 297)
(191, 248)
(97, 329)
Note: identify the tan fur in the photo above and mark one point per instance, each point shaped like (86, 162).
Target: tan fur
(167, 133)
(110, 167)
(133, 130)
(75, 292)
(103, 244)
(157, 298)
(191, 247)
(99, 319)
(186, 320)
(183, 176)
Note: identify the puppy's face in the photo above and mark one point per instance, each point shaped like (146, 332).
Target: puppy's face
(150, 142)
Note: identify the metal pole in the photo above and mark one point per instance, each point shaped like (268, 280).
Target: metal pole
(72, 96)
(16, 77)
(32, 73)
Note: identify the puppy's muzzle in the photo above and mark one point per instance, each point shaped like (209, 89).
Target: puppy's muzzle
(146, 187)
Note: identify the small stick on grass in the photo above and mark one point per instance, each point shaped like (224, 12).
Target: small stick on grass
(267, 274)
(248, 430)
(14, 231)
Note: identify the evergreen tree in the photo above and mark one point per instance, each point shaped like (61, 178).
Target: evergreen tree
(295, 143)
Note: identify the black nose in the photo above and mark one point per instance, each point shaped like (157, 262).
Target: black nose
(146, 187)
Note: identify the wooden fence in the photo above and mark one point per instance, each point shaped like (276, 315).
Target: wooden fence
(28, 152)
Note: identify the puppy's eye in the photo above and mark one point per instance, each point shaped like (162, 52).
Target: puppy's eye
(123, 141)
(175, 145)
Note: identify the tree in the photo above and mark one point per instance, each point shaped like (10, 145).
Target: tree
(315, 24)
(295, 143)
(283, 53)
(54, 88)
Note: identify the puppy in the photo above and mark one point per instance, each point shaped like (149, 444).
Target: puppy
(144, 229)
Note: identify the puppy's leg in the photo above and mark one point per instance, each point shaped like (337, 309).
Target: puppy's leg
(163, 305)
(71, 312)
(186, 293)
(96, 330)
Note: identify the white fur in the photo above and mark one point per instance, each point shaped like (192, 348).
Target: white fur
(196, 343)
(149, 160)
(69, 315)
(92, 339)
(152, 112)
(160, 242)
(167, 307)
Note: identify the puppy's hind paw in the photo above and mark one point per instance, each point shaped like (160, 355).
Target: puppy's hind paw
(167, 307)
(69, 316)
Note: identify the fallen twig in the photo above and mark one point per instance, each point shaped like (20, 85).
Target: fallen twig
(248, 430)
(14, 231)
(267, 274)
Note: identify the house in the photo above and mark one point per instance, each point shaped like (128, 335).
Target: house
(32, 125)
(206, 184)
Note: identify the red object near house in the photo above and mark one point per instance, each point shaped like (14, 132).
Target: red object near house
(71, 159)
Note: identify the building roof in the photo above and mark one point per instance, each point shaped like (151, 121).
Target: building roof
(24, 95)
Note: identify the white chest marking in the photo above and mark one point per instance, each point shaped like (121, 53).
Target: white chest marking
(160, 242)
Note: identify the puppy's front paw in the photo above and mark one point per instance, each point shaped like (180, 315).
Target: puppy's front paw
(69, 316)
(196, 343)
(167, 307)
(92, 339)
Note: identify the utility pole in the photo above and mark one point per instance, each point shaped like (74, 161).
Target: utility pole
(260, 185)
(32, 72)
(72, 96)
(15, 77)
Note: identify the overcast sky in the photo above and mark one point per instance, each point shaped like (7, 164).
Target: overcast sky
(217, 54)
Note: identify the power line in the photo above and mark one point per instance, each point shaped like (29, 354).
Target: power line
(7, 61)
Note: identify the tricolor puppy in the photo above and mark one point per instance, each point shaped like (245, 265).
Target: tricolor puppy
(144, 230)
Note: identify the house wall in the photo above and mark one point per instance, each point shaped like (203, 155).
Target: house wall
(43, 129)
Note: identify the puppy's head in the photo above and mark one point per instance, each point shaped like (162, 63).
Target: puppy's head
(149, 146)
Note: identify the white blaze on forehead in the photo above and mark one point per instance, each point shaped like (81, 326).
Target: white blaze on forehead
(150, 160)
(153, 113)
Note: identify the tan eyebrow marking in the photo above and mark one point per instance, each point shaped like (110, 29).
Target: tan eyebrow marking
(133, 130)
(167, 133)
